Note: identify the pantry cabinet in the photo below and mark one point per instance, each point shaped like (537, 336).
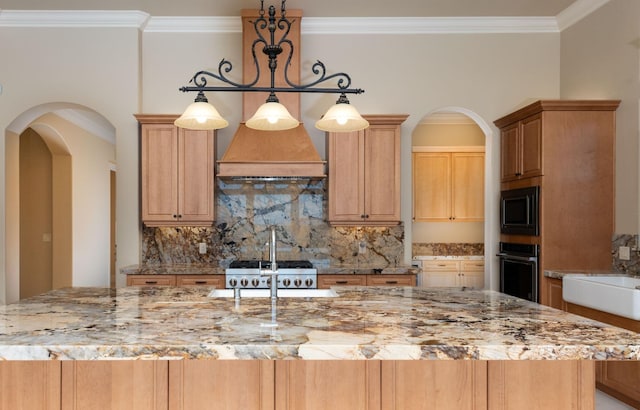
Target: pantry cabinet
(176, 173)
(364, 173)
(448, 186)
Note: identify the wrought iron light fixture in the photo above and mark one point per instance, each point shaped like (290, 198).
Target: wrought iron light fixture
(272, 116)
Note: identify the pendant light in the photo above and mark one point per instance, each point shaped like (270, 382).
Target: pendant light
(342, 117)
(272, 116)
(201, 115)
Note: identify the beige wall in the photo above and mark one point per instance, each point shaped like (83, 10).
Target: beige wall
(487, 75)
(600, 59)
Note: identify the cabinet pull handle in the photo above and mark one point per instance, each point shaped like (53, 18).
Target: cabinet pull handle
(201, 282)
(342, 282)
(151, 282)
(442, 265)
(391, 282)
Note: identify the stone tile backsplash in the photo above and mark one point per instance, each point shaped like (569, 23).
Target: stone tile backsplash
(245, 213)
(447, 249)
(632, 266)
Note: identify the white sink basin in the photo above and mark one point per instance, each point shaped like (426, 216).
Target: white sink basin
(282, 293)
(618, 295)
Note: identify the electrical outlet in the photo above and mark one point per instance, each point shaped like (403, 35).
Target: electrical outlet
(624, 253)
(202, 248)
(362, 247)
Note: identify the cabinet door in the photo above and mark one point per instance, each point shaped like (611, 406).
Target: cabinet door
(159, 172)
(196, 176)
(30, 385)
(431, 186)
(382, 173)
(510, 152)
(620, 379)
(201, 280)
(467, 193)
(326, 281)
(531, 146)
(391, 280)
(151, 280)
(327, 384)
(113, 384)
(227, 384)
(553, 290)
(346, 184)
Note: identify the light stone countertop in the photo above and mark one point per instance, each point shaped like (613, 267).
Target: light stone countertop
(449, 257)
(559, 274)
(393, 323)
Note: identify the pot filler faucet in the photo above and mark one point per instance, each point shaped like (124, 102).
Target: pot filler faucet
(273, 270)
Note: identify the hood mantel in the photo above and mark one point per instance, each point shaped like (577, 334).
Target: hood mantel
(288, 153)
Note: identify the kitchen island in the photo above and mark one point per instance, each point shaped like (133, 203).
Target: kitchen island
(383, 348)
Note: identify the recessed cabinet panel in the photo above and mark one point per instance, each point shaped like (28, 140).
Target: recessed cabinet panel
(196, 175)
(346, 187)
(159, 164)
(382, 160)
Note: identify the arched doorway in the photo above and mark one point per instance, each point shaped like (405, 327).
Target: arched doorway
(81, 146)
(487, 230)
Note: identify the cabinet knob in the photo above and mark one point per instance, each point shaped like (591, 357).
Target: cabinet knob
(175, 216)
(363, 216)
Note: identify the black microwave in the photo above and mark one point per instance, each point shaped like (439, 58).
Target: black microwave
(519, 209)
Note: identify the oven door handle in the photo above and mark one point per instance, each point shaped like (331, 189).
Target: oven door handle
(506, 256)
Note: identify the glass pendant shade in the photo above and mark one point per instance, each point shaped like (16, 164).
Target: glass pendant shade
(342, 117)
(272, 116)
(201, 116)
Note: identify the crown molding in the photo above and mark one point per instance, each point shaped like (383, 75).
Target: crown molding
(428, 25)
(577, 11)
(73, 18)
(194, 25)
(310, 25)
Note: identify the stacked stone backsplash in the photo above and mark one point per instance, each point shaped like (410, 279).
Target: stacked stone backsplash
(447, 249)
(245, 213)
(632, 266)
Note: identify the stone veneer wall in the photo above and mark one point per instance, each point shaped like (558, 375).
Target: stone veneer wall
(631, 266)
(245, 213)
(447, 249)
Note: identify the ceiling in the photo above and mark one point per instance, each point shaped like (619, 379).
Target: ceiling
(313, 8)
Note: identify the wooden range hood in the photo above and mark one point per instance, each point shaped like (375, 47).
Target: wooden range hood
(254, 154)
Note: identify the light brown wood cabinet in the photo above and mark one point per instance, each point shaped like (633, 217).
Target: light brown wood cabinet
(217, 281)
(553, 290)
(326, 281)
(448, 186)
(453, 273)
(177, 173)
(567, 149)
(297, 384)
(364, 173)
(521, 149)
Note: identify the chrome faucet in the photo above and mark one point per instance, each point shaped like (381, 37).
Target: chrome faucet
(273, 270)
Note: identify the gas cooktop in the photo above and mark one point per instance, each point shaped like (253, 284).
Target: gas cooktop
(285, 264)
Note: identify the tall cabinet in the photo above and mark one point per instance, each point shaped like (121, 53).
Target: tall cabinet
(364, 173)
(567, 149)
(176, 173)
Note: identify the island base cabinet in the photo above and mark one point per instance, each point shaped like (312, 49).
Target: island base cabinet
(221, 384)
(541, 384)
(122, 385)
(33, 385)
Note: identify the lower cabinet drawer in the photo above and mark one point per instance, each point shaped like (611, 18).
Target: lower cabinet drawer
(391, 280)
(151, 280)
(326, 281)
(202, 280)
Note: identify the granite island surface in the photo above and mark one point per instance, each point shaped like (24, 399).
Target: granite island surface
(368, 348)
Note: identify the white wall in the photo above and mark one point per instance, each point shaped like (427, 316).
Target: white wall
(600, 59)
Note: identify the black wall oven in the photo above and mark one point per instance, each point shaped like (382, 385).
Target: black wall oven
(519, 270)
(519, 211)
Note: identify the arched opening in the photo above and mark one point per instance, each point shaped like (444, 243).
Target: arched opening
(59, 160)
(445, 129)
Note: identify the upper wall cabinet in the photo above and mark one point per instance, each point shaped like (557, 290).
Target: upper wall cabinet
(448, 186)
(521, 149)
(364, 173)
(176, 173)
